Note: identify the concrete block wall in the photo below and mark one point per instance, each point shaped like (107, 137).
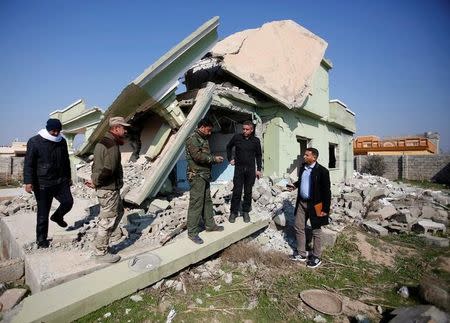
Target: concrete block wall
(17, 168)
(412, 167)
(11, 168)
(424, 167)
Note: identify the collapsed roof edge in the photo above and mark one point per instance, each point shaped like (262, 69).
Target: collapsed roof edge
(157, 80)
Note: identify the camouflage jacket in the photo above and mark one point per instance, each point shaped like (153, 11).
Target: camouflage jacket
(199, 156)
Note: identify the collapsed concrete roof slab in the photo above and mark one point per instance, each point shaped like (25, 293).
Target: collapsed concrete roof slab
(75, 118)
(279, 59)
(173, 149)
(78, 297)
(157, 84)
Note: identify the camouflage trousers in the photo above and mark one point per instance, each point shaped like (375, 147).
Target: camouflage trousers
(111, 212)
(200, 206)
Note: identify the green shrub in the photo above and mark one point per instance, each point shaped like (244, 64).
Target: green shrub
(374, 165)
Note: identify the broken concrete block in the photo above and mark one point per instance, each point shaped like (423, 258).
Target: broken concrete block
(280, 219)
(11, 270)
(255, 195)
(398, 227)
(440, 197)
(375, 228)
(436, 241)
(404, 217)
(157, 206)
(352, 213)
(328, 237)
(432, 291)
(435, 213)
(425, 226)
(442, 217)
(387, 211)
(160, 203)
(11, 298)
(355, 206)
(429, 212)
(373, 193)
(415, 211)
(352, 197)
(419, 313)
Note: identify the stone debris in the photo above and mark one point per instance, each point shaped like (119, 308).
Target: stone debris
(394, 206)
(136, 298)
(436, 241)
(11, 270)
(379, 205)
(419, 313)
(433, 291)
(11, 297)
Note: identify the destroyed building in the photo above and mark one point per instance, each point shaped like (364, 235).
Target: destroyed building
(283, 88)
(275, 75)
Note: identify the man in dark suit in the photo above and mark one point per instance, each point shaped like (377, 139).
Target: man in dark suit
(313, 202)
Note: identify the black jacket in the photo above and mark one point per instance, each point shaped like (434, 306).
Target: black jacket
(46, 163)
(320, 193)
(246, 151)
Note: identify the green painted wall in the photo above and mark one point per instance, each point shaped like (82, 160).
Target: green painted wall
(319, 97)
(284, 126)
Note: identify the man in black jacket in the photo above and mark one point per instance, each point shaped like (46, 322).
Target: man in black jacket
(313, 202)
(47, 173)
(247, 150)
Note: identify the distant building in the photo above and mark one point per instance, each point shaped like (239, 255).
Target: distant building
(426, 144)
(17, 149)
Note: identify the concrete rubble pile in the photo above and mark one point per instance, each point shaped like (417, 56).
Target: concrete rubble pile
(379, 205)
(25, 202)
(383, 207)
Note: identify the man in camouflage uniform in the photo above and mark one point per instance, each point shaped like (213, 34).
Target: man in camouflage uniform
(107, 179)
(200, 160)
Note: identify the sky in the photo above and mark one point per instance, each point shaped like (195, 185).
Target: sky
(390, 59)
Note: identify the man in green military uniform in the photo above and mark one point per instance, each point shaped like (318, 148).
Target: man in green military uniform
(200, 160)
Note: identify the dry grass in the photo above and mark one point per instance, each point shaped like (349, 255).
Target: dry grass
(244, 251)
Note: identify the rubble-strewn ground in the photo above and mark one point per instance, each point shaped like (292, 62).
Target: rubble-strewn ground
(255, 280)
(246, 284)
(378, 204)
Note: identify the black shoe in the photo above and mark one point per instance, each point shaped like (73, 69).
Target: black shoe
(58, 221)
(246, 217)
(313, 262)
(43, 244)
(216, 228)
(196, 239)
(232, 217)
(299, 258)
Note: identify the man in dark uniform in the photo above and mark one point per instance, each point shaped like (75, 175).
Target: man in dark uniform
(313, 202)
(47, 173)
(200, 160)
(247, 150)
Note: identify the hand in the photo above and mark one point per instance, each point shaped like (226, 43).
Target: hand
(323, 213)
(232, 162)
(218, 159)
(290, 187)
(89, 184)
(258, 174)
(28, 188)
